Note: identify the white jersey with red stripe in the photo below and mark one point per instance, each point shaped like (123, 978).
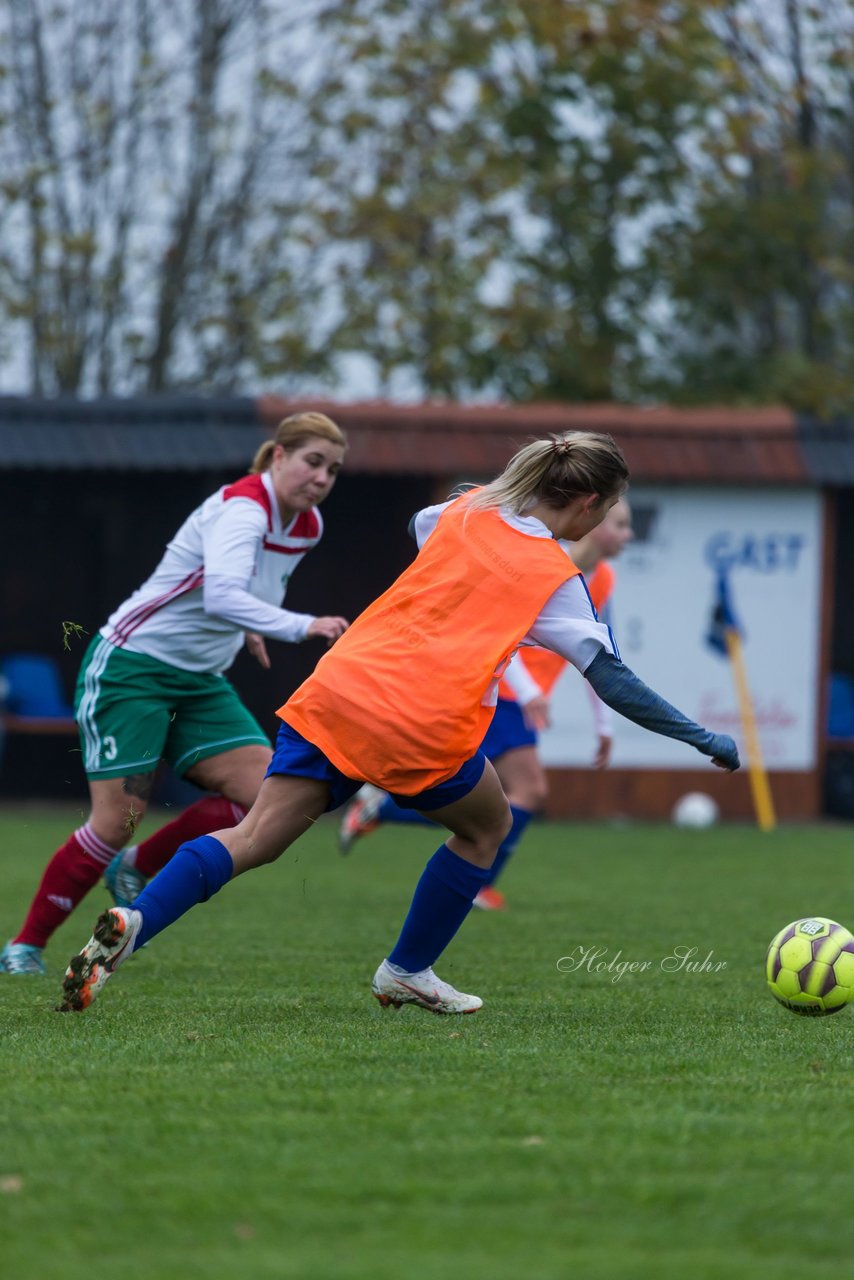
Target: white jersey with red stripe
(225, 572)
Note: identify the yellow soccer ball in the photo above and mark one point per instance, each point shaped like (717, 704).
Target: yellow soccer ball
(810, 966)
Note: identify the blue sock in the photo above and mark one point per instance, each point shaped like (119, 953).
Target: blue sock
(442, 900)
(195, 873)
(521, 818)
(391, 812)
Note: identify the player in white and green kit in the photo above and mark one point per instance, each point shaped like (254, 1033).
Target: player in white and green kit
(152, 685)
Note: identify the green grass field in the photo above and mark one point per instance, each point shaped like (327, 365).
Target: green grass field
(237, 1105)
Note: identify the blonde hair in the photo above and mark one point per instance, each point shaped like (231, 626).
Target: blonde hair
(569, 465)
(294, 431)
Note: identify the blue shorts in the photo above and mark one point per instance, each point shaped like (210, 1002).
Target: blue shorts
(295, 756)
(507, 731)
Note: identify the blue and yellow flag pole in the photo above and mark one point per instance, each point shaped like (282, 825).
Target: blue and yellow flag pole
(725, 638)
(760, 789)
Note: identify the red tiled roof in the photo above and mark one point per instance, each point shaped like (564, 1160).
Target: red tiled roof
(662, 444)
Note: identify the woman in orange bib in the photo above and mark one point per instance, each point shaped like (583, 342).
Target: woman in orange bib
(403, 700)
(522, 710)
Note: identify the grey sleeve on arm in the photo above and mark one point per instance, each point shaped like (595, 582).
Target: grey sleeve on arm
(621, 689)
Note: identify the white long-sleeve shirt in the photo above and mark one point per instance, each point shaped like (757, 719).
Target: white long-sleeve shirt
(567, 623)
(225, 572)
(525, 687)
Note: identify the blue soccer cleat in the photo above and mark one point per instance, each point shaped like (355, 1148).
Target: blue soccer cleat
(123, 881)
(21, 957)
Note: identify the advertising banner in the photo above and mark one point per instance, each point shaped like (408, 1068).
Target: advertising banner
(767, 545)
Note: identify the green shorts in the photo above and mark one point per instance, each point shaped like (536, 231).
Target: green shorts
(133, 711)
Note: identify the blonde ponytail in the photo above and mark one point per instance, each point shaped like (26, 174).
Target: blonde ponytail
(556, 470)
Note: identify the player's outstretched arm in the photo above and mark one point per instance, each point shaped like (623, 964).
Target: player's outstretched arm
(617, 685)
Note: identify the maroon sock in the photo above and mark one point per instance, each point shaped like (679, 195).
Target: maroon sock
(213, 813)
(68, 877)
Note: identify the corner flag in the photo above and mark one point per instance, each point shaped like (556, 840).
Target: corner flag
(725, 637)
(722, 618)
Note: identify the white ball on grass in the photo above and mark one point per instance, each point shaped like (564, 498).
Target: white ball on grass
(695, 809)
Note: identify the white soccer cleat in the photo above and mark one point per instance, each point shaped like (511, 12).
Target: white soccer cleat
(361, 816)
(110, 945)
(424, 989)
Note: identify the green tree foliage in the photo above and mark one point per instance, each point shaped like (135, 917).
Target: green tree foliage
(610, 199)
(759, 267)
(413, 182)
(490, 169)
(601, 110)
(567, 199)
